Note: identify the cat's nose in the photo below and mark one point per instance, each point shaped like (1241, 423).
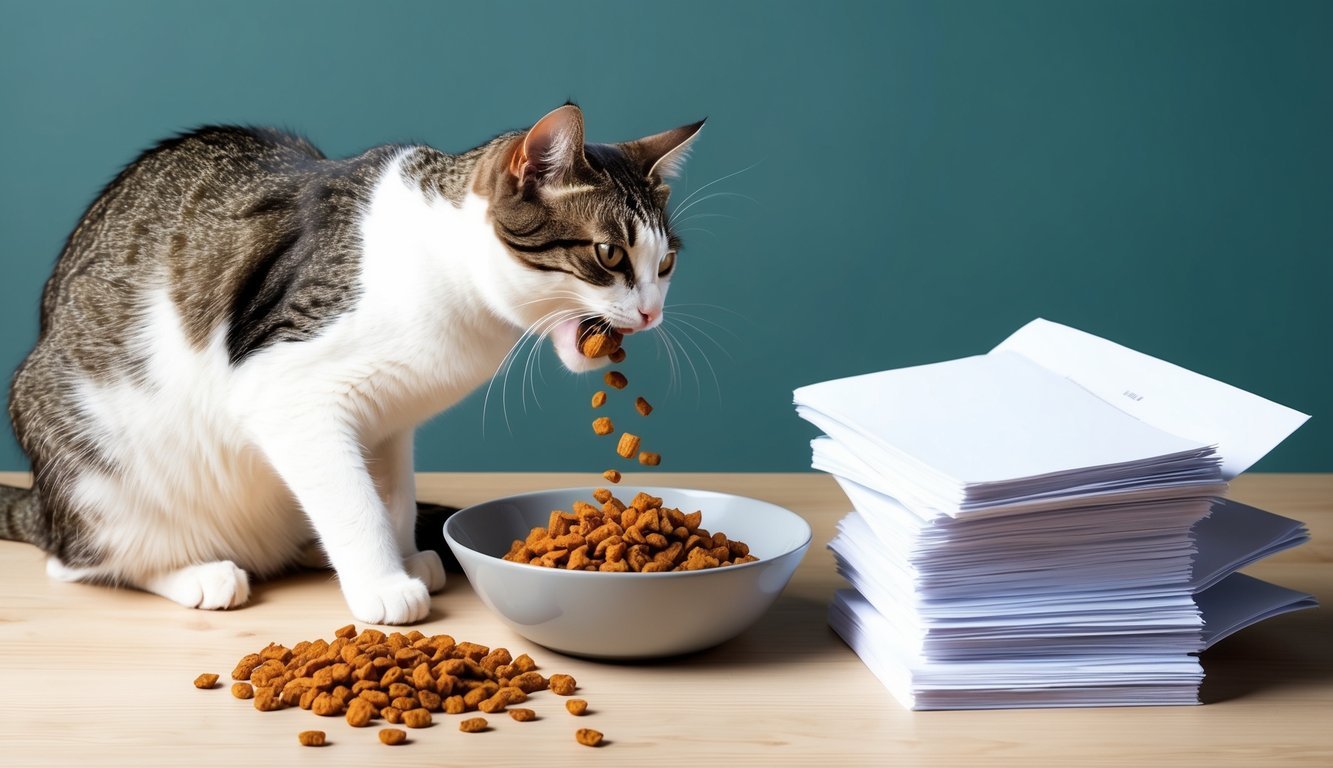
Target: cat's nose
(648, 318)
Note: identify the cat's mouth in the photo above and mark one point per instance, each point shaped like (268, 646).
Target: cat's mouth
(571, 337)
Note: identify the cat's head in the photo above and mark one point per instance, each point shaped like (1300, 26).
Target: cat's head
(584, 228)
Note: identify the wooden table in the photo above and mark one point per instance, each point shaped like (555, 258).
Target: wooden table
(96, 676)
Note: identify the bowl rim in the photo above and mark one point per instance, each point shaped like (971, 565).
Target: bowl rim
(654, 490)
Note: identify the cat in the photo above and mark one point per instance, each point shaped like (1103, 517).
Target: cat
(241, 335)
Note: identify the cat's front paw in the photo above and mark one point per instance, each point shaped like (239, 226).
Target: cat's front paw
(392, 600)
(426, 565)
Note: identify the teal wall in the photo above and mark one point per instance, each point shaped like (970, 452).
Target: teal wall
(919, 179)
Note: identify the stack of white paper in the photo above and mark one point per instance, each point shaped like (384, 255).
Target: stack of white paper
(1043, 525)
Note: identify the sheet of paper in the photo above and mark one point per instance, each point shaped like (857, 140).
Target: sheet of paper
(1243, 426)
(989, 419)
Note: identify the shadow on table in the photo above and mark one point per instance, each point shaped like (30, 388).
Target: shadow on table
(794, 629)
(1291, 651)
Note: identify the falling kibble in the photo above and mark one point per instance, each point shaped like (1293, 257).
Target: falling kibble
(642, 406)
(615, 379)
(603, 426)
(611, 475)
(598, 399)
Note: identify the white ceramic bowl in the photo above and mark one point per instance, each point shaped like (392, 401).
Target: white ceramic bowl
(628, 615)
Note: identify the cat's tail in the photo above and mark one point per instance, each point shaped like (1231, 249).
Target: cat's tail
(20, 515)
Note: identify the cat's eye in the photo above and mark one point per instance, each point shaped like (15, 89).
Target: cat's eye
(609, 256)
(668, 262)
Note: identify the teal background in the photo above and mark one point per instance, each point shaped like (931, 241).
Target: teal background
(919, 180)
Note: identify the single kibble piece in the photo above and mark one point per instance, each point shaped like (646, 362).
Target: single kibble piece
(563, 685)
(612, 475)
(629, 445)
(600, 344)
(242, 690)
(359, 713)
(348, 632)
(416, 718)
(598, 399)
(615, 379)
(246, 666)
(472, 725)
(588, 737)
(650, 459)
(522, 715)
(576, 707)
(618, 356)
(603, 426)
(206, 680)
(642, 406)
(392, 736)
(311, 738)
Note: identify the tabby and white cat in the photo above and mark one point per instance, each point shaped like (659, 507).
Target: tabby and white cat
(241, 336)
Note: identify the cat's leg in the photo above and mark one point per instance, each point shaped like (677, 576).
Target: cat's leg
(210, 586)
(393, 472)
(323, 466)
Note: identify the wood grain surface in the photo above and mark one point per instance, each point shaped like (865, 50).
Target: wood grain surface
(99, 676)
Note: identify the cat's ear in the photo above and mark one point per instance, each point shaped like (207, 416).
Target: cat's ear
(552, 149)
(662, 155)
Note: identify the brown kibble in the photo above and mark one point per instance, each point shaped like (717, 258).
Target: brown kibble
(598, 399)
(642, 406)
(359, 713)
(206, 681)
(311, 738)
(392, 736)
(576, 707)
(454, 705)
(611, 475)
(523, 715)
(650, 459)
(472, 725)
(588, 737)
(563, 685)
(417, 718)
(615, 379)
(242, 690)
(392, 715)
(603, 426)
(325, 705)
(629, 444)
(596, 345)
(618, 356)
(602, 495)
(348, 631)
(246, 666)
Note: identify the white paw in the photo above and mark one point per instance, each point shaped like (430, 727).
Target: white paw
(393, 600)
(427, 567)
(209, 586)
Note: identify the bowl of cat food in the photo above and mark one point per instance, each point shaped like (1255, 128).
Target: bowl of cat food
(665, 572)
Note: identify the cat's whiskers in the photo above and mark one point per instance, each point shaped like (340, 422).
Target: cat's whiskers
(506, 362)
(684, 327)
(683, 204)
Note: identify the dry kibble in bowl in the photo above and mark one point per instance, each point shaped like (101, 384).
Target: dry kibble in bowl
(642, 536)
